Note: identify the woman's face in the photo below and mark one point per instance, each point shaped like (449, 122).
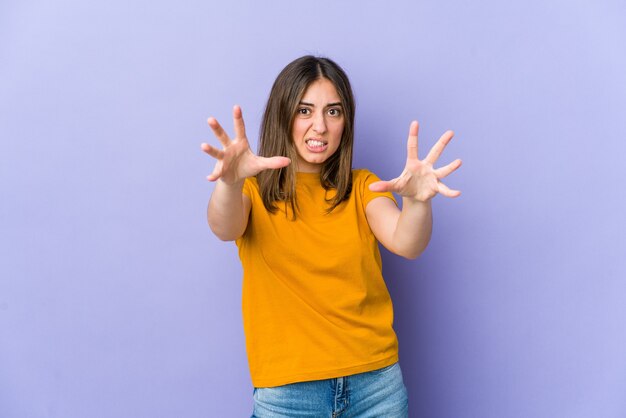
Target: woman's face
(318, 125)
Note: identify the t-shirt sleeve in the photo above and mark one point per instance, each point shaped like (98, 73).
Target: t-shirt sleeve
(368, 195)
(247, 187)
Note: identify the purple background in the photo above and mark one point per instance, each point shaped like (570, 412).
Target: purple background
(117, 301)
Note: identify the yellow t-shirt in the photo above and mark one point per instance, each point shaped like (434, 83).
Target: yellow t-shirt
(315, 305)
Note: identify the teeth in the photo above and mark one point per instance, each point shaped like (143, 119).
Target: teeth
(315, 143)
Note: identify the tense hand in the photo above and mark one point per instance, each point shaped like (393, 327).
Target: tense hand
(236, 161)
(419, 180)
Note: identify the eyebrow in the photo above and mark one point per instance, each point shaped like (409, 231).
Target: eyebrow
(328, 105)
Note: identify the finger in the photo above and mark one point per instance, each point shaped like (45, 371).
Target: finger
(218, 170)
(213, 152)
(443, 172)
(240, 128)
(446, 191)
(218, 131)
(274, 162)
(411, 143)
(215, 175)
(439, 146)
(382, 186)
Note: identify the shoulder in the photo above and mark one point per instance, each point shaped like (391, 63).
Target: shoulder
(361, 180)
(362, 176)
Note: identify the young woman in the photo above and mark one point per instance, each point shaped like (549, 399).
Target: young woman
(317, 314)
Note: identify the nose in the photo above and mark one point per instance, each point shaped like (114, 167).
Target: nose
(319, 123)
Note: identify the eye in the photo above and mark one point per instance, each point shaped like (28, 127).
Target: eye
(334, 111)
(304, 111)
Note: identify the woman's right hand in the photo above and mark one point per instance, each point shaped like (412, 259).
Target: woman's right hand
(236, 161)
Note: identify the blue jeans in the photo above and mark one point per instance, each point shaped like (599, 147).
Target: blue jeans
(379, 393)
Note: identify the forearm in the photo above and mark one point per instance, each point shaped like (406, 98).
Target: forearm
(225, 212)
(413, 229)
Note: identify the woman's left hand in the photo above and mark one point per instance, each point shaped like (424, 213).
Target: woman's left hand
(419, 180)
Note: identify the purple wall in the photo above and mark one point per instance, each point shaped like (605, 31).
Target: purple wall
(116, 300)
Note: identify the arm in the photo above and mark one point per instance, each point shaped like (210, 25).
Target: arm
(405, 233)
(229, 208)
(228, 211)
(408, 232)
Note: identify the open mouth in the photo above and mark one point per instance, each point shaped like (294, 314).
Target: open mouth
(316, 145)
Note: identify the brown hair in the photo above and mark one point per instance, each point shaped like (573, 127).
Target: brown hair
(276, 133)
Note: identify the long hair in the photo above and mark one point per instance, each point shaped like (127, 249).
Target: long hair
(276, 134)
